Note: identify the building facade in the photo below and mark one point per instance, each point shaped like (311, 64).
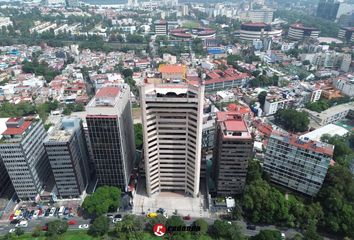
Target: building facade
(110, 127)
(298, 164)
(233, 148)
(68, 156)
(327, 9)
(251, 31)
(297, 31)
(161, 27)
(5, 181)
(346, 33)
(24, 156)
(172, 128)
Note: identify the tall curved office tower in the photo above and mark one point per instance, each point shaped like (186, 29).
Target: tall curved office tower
(172, 128)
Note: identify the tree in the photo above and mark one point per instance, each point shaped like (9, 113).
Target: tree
(99, 227)
(105, 199)
(220, 229)
(292, 120)
(37, 231)
(127, 72)
(262, 97)
(175, 221)
(311, 232)
(152, 221)
(202, 224)
(129, 228)
(57, 227)
(138, 130)
(267, 235)
(318, 106)
(19, 231)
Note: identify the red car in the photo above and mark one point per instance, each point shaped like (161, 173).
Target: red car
(187, 217)
(44, 228)
(11, 217)
(72, 222)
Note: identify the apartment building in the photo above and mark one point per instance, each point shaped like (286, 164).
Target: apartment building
(346, 33)
(233, 148)
(172, 128)
(296, 163)
(273, 103)
(345, 85)
(110, 127)
(23, 154)
(68, 156)
(161, 27)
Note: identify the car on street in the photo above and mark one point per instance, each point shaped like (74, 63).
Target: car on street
(151, 215)
(52, 211)
(72, 222)
(251, 227)
(11, 217)
(187, 218)
(160, 210)
(35, 214)
(84, 226)
(12, 230)
(15, 221)
(283, 237)
(47, 212)
(45, 228)
(23, 224)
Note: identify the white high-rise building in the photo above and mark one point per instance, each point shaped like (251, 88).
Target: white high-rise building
(172, 127)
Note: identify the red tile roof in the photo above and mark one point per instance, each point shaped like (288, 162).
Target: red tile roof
(108, 92)
(172, 69)
(17, 130)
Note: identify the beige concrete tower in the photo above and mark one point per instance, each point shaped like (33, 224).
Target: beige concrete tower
(172, 128)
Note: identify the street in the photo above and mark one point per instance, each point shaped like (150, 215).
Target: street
(5, 227)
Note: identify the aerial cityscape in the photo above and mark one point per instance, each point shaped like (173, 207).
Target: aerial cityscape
(177, 119)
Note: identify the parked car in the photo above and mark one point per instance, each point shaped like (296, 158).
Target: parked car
(187, 218)
(160, 210)
(45, 228)
(72, 222)
(35, 214)
(84, 226)
(23, 224)
(15, 221)
(12, 230)
(151, 215)
(283, 237)
(52, 211)
(47, 212)
(11, 217)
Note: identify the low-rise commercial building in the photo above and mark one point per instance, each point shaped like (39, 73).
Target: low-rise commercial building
(332, 114)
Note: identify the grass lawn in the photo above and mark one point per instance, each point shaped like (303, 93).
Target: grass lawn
(70, 235)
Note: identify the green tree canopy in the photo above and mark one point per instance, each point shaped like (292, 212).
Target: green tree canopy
(138, 130)
(57, 227)
(100, 226)
(292, 120)
(103, 200)
(267, 235)
(129, 228)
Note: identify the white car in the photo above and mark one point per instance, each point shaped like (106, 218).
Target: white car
(52, 211)
(84, 226)
(283, 236)
(23, 224)
(115, 220)
(35, 214)
(12, 230)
